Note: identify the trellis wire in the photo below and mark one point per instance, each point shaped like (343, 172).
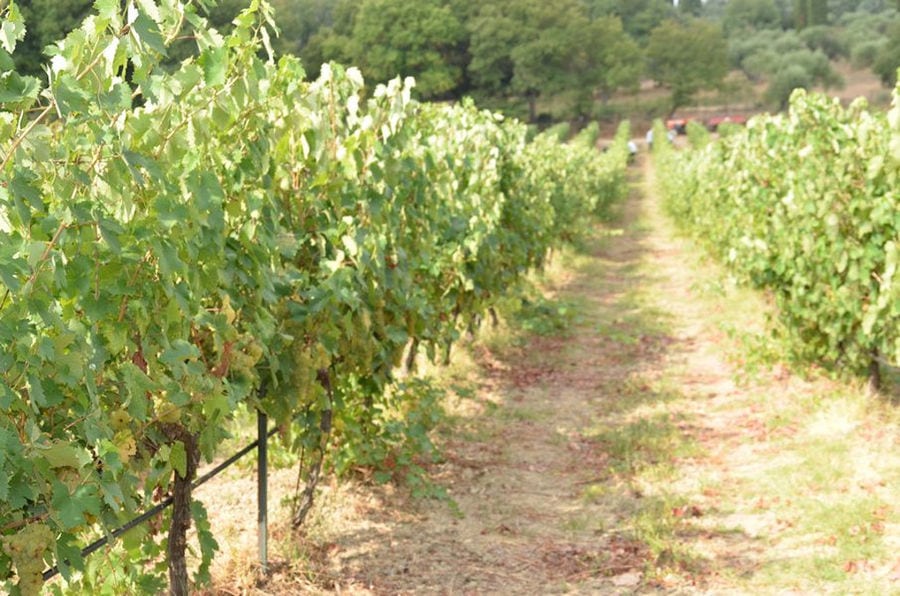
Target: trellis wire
(261, 443)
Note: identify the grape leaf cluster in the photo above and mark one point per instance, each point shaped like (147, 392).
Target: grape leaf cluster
(805, 205)
(173, 239)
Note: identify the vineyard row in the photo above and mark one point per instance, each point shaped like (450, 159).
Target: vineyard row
(172, 239)
(806, 205)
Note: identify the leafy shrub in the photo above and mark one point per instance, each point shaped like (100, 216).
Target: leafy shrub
(864, 55)
(826, 40)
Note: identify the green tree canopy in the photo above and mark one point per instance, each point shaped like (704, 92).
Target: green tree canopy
(493, 35)
(785, 59)
(755, 53)
(818, 12)
(332, 41)
(544, 61)
(420, 39)
(809, 13)
(639, 17)
(325, 45)
(826, 39)
(691, 7)
(46, 21)
(888, 59)
(298, 21)
(687, 57)
(530, 47)
(612, 59)
(803, 68)
(751, 14)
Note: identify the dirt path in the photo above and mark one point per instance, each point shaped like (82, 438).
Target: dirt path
(542, 507)
(623, 457)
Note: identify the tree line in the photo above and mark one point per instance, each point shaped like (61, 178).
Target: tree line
(509, 53)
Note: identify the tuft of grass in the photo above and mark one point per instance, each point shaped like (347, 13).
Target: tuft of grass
(543, 316)
(516, 413)
(595, 492)
(580, 524)
(654, 442)
(659, 523)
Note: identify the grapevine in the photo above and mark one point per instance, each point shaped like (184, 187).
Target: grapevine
(171, 240)
(805, 205)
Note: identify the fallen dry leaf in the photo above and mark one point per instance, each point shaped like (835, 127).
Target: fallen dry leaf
(857, 566)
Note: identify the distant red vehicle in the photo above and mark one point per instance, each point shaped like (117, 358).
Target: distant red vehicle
(713, 123)
(679, 125)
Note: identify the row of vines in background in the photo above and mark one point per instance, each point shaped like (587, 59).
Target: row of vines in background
(175, 245)
(806, 205)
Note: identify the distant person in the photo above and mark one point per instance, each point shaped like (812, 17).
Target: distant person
(671, 135)
(650, 139)
(632, 151)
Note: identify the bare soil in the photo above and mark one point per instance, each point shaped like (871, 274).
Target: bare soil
(518, 464)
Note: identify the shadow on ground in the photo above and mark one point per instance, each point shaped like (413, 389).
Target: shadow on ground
(545, 465)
